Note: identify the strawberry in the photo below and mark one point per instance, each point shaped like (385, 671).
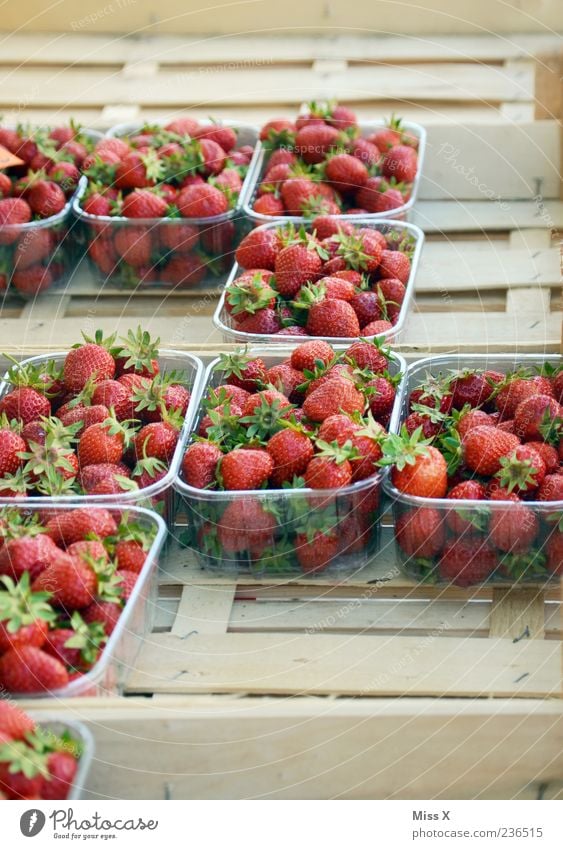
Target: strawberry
(513, 529)
(291, 450)
(346, 172)
(363, 249)
(36, 245)
(313, 142)
(62, 767)
(342, 117)
(538, 417)
(86, 415)
(470, 387)
(184, 126)
(226, 137)
(11, 445)
(5, 186)
(467, 562)
(134, 245)
(297, 192)
(46, 198)
(418, 468)
(66, 174)
(292, 330)
(103, 443)
(24, 615)
(473, 419)
(246, 525)
(14, 723)
(184, 270)
(420, 532)
(310, 354)
(269, 397)
(367, 307)
(334, 396)
(484, 447)
(126, 583)
(111, 394)
(130, 556)
(88, 549)
(73, 526)
(394, 264)
(243, 371)
(24, 404)
(142, 203)
(464, 521)
(212, 156)
(296, 265)
(157, 439)
(518, 389)
(31, 670)
(286, 379)
(20, 772)
(551, 488)
(554, 552)
(107, 613)
(266, 321)
(316, 551)
(90, 361)
(245, 468)
(547, 452)
(557, 387)
(201, 201)
(381, 395)
(338, 371)
(377, 328)
(333, 318)
(522, 471)
(178, 236)
(367, 355)
(199, 465)
(30, 554)
(365, 151)
(401, 163)
(71, 581)
(138, 171)
(91, 475)
(338, 428)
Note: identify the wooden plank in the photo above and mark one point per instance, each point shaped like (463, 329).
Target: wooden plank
(222, 747)
(518, 613)
(487, 216)
(450, 266)
(203, 610)
(431, 82)
(346, 665)
(147, 16)
(90, 48)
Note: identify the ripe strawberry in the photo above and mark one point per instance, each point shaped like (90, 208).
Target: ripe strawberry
(201, 201)
(513, 529)
(296, 265)
(14, 782)
(88, 549)
(394, 264)
(517, 390)
(292, 330)
(157, 439)
(5, 186)
(286, 379)
(473, 419)
(11, 444)
(266, 321)
(346, 172)
(246, 372)
(86, 415)
(365, 151)
(33, 247)
(557, 387)
(142, 203)
(366, 441)
(31, 670)
(297, 192)
(420, 532)
(130, 556)
(226, 137)
(367, 355)
(484, 447)
(522, 471)
(269, 397)
(111, 394)
(418, 469)
(401, 163)
(339, 371)
(66, 174)
(107, 613)
(126, 583)
(337, 428)
(70, 580)
(213, 157)
(309, 354)
(46, 198)
(13, 212)
(199, 465)
(25, 404)
(536, 418)
(87, 362)
(333, 396)
(314, 141)
(381, 395)
(377, 328)
(184, 126)
(316, 551)
(14, 723)
(551, 488)
(71, 526)
(258, 250)
(554, 552)
(464, 521)
(471, 388)
(91, 475)
(184, 270)
(268, 204)
(178, 236)
(333, 318)
(27, 554)
(467, 562)
(367, 307)
(291, 451)
(134, 245)
(245, 468)
(363, 249)
(102, 443)
(62, 768)
(548, 454)
(246, 525)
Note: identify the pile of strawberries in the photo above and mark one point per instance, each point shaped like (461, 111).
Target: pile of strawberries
(31, 259)
(65, 577)
(175, 173)
(314, 421)
(332, 279)
(322, 164)
(495, 440)
(35, 763)
(105, 422)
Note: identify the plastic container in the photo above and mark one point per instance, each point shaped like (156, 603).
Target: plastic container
(206, 243)
(366, 129)
(58, 258)
(223, 321)
(351, 514)
(108, 676)
(83, 736)
(475, 516)
(156, 495)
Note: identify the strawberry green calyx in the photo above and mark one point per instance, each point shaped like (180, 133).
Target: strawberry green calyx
(99, 339)
(18, 483)
(335, 452)
(309, 294)
(551, 428)
(52, 482)
(33, 376)
(276, 559)
(87, 637)
(528, 566)
(370, 428)
(138, 350)
(516, 473)
(15, 524)
(449, 443)
(151, 466)
(250, 297)
(402, 449)
(131, 531)
(351, 249)
(11, 424)
(435, 416)
(317, 205)
(265, 420)
(19, 606)
(124, 428)
(225, 429)
(44, 741)
(22, 758)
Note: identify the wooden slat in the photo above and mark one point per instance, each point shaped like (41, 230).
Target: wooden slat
(341, 665)
(518, 613)
(203, 610)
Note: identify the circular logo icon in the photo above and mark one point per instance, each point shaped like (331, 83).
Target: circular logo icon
(32, 822)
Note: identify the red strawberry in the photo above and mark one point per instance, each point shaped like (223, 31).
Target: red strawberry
(367, 355)
(10, 446)
(513, 529)
(296, 265)
(473, 419)
(394, 264)
(87, 415)
(333, 396)
(308, 355)
(420, 470)
(33, 247)
(5, 185)
(184, 270)
(266, 321)
(245, 468)
(201, 201)
(199, 465)
(466, 563)
(551, 488)
(130, 556)
(517, 390)
(314, 141)
(377, 328)
(91, 475)
(461, 521)
(71, 581)
(62, 768)
(27, 554)
(297, 192)
(17, 784)
(258, 250)
(178, 236)
(25, 404)
(366, 441)
(363, 249)
(111, 394)
(365, 151)
(134, 245)
(286, 379)
(367, 307)
(554, 552)
(291, 451)
(420, 532)
(381, 395)
(184, 126)
(484, 447)
(107, 613)
(88, 549)
(14, 723)
(266, 396)
(338, 428)
(243, 371)
(34, 279)
(157, 439)
(401, 163)
(213, 157)
(101, 443)
(547, 452)
(346, 172)
(13, 211)
(246, 525)
(268, 204)
(46, 198)
(536, 417)
(31, 670)
(142, 203)
(317, 550)
(522, 471)
(85, 362)
(75, 525)
(333, 318)
(226, 137)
